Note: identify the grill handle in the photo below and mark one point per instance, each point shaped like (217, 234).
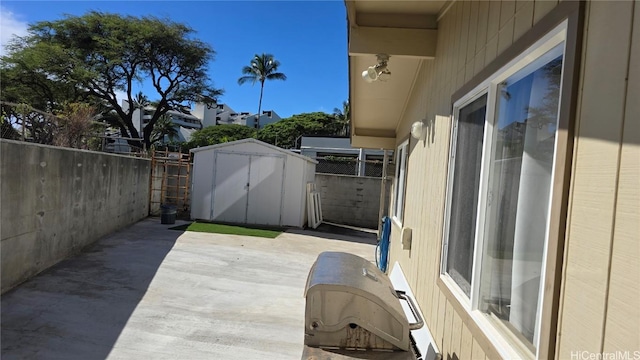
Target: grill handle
(414, 310)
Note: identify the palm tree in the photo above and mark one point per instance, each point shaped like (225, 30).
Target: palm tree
(164, 126)
(343, 117)
(263, 67)
(140, 101)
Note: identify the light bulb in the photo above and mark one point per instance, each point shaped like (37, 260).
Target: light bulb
(365, 76)
(417, 129)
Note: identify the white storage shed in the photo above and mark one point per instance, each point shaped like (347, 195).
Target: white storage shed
(250, 182)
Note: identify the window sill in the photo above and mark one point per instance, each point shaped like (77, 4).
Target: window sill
(494, 342)
(453, 290)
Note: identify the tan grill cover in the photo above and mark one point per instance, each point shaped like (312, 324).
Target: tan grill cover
(350, 303)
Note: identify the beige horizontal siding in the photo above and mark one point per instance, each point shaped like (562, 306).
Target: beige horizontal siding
(601, 287)
(470, 36)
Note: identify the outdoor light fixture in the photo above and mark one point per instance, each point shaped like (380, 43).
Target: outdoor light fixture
(373, 73)
(417, 129)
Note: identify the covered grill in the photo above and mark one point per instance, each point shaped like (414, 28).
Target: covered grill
(352, 308)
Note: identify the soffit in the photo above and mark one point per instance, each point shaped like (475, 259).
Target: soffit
(379, 105)
(399, 6)
(377, 108)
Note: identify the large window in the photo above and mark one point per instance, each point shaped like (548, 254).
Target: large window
(499, 197)
(401, 178)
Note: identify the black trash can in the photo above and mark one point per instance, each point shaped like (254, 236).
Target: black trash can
(168, 215)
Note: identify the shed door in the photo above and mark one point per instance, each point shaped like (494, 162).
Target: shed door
(266, 190)
(248, 188)
(231, 174)
(202, 185)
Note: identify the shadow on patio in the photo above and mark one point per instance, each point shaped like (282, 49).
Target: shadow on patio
(88, 298)
(340, 232)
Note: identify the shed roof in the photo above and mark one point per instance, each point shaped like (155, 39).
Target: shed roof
(254, 141)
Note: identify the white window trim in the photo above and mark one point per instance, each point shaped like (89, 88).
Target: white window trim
(400, 180)
(505, 348)
(453, 286)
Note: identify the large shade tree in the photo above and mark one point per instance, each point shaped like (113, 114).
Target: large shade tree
(217, 134)
(262, 68)
(286, 133)
(28, 96)
(99, 54)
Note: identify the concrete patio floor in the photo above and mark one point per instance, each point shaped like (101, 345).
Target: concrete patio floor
(150, 293)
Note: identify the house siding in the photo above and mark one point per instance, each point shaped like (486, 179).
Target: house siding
(601, 272)
(623, 315)
(601, 292)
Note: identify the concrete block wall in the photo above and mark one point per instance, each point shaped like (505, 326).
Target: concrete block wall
(350, 200)
(56, 201)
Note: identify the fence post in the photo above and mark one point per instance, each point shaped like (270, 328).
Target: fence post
(361, 162)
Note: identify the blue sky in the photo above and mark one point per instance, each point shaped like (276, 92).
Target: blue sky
(307, 37)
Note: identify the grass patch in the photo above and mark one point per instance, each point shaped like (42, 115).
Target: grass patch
(227, 229)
